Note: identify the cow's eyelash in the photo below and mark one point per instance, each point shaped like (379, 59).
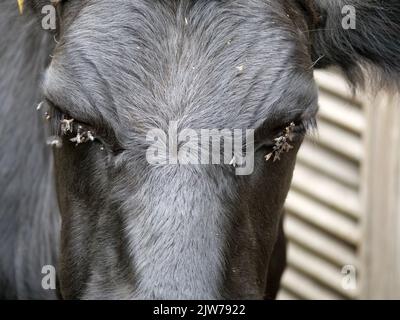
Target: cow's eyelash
(298, 127)
(305, 126)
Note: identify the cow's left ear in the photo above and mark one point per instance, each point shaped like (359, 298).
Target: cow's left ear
(362, 37)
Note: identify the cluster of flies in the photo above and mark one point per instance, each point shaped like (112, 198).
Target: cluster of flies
(67, 126)
(282, 143)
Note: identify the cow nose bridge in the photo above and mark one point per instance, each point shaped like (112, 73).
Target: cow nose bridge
(191, 188)
(181, 221)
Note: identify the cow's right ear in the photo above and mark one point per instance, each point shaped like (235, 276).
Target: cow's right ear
(362, 37)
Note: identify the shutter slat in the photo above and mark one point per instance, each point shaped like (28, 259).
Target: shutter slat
(323, 217)
(334, 83)
(338, 140)
(286, 295)
(297, 284)
(327, 191)
(319, 243)
(318, 269)
(341, 112)
(329, 162)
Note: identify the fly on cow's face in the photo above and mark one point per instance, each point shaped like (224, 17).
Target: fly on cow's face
(54, 142)
(78, 138)
(90, 136)
(39, 106)
(66, 125)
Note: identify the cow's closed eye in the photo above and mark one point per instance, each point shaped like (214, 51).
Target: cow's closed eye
(284, 139)
(73, 130)
(295, 130)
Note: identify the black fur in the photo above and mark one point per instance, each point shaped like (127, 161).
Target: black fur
(29, 217)
(371, 51)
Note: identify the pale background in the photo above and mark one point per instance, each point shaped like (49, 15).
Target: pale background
(343, 211)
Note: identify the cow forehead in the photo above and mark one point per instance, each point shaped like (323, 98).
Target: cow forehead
(208, 62)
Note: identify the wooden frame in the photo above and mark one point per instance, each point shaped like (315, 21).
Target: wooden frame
(380, 245)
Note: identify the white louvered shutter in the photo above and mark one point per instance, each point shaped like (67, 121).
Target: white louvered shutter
(324, 208)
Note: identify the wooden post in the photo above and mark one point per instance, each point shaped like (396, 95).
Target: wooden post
(380, 249)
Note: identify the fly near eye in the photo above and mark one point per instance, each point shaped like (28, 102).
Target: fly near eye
(81, 134)
(66, 125)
